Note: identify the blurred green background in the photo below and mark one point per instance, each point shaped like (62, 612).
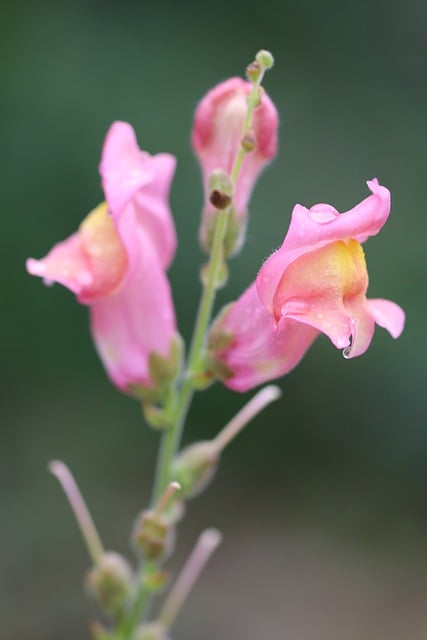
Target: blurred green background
(322, 501)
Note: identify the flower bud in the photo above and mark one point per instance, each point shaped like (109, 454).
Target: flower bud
(216, 139)
(253, 71)
(153, 535)
(195, 467)
(110, 582)
(265, 59)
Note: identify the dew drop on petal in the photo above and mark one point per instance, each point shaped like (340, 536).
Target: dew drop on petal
(295, 306)
(323, 213)
(346, 352)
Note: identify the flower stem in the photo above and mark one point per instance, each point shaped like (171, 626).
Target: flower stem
(180, 402)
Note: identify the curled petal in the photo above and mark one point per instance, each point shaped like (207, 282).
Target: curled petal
(387, 314)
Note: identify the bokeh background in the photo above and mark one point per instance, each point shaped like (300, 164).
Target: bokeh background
(322, 500)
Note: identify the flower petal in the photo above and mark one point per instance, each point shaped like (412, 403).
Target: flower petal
(136, 321)
(133, 178)
(258, 352)
(387, 314)
(311, 229)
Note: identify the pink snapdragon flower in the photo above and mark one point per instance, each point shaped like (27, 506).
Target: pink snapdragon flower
(216, 138)
(316, 282)
(318, 277)
(116, 261)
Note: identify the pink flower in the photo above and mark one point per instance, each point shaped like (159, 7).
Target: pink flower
(316, 282)
(255, 351)
(318, 277)
(216, 137)
(116, 261)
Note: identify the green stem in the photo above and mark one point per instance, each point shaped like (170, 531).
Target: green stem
(180, 403)
(143, 596)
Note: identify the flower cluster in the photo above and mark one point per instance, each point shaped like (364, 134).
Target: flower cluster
(315, 282)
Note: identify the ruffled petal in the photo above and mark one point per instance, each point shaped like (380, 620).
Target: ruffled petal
(311, 229)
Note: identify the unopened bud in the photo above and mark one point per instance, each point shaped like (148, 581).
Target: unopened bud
(220, 189)
(163, 370)
(253, 71)
(156, 416)
(110, 582)
(153, 535)
(265, 59)
(248, 142)
(151, 631)
(195, 467)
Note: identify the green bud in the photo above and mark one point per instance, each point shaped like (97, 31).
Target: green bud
(156, 416)
(220, 189)
(248, 142)
(265, 59)
(157, 581)
(153, 535)
(194, 467)
(219, 180)
(110, 582)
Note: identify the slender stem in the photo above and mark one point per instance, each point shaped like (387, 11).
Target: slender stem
(249, 411)
(80, 510)
(142, 599)
(205, 546)
(180, 403)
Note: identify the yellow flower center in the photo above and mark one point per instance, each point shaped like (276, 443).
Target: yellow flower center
(328, 276)
(104, 249)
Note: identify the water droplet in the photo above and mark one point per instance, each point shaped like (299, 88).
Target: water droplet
(323, 213)
(346, 352)
(295, 306)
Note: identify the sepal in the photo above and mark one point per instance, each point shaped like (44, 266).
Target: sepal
(194, 467)
(110, 582)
